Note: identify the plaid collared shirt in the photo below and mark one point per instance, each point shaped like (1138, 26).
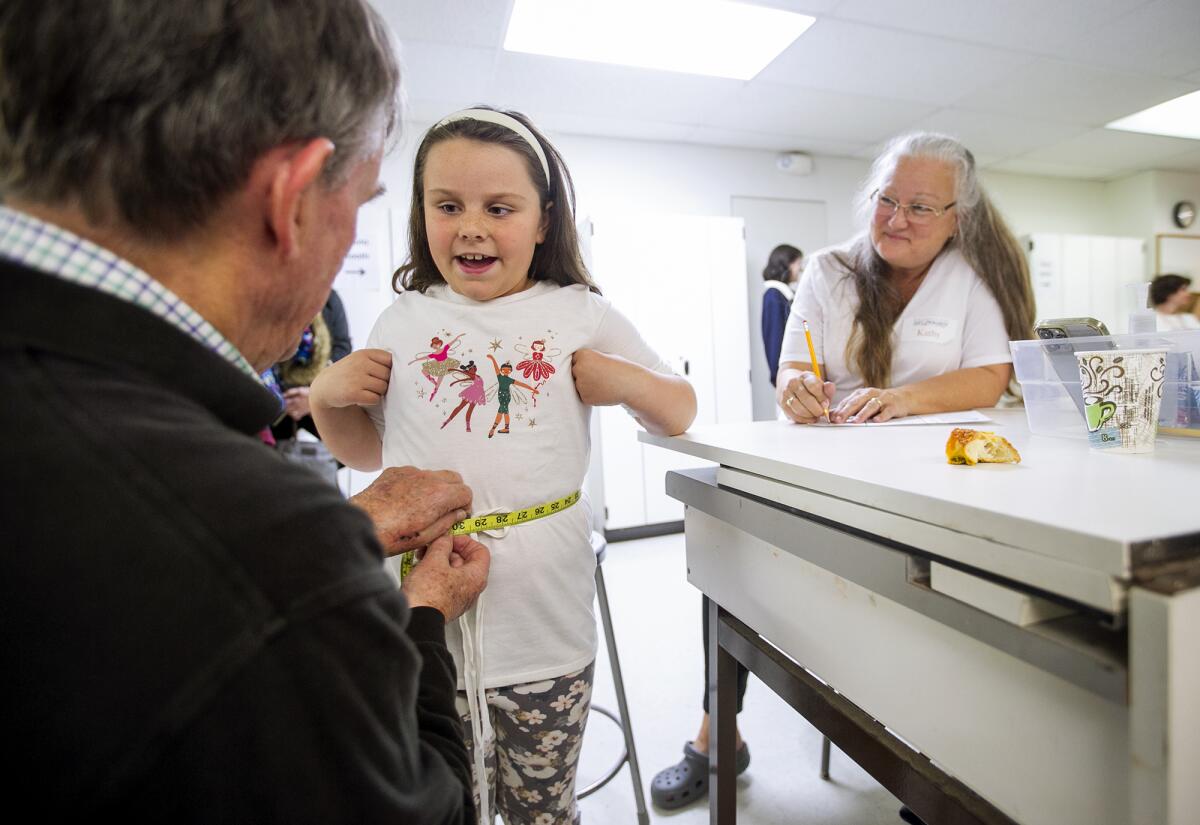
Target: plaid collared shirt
(55, 251)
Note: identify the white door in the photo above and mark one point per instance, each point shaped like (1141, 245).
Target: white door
(678, 279)
(770, 222)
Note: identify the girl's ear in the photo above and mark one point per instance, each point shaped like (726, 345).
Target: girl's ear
(544, 223)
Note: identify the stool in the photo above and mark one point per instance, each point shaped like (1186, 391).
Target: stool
(629, 754)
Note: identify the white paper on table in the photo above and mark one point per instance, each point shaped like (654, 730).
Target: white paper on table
(964, 417)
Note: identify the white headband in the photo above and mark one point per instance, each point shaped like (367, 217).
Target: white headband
(508, 122)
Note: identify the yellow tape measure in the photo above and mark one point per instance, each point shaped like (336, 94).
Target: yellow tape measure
(496, 521)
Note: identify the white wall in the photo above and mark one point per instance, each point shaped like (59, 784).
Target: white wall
(648, 176)
(1059, 205)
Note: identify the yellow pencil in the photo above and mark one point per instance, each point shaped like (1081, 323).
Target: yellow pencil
(812, 353)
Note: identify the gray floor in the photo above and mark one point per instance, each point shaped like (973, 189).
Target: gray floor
(657, 618)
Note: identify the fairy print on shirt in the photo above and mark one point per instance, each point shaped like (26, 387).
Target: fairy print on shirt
(436, 362)
(472, 396)
(535, 367)
(504, 388)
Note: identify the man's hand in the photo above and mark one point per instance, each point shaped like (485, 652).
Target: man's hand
(412, 507)
(449, 577)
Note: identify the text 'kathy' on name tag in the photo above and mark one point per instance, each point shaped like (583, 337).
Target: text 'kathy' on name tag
(931, 330)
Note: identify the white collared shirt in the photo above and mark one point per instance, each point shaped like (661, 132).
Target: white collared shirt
(952, 322)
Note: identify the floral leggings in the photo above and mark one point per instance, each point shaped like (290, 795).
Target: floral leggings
(538, 733)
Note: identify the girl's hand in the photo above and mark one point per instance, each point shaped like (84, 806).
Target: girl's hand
(871, 404)
(602, 380)
(802, 395)
(359, 379)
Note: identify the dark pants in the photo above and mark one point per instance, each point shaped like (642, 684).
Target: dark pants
(742, 673)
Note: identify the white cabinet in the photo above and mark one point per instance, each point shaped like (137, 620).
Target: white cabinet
(1085, 275)
(681, 280)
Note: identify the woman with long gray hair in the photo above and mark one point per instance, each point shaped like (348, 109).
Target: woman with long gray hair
(912, 316)
(915, 314)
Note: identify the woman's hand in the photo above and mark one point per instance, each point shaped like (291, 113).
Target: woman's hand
(802, 395)
(359, 379)
(871, 404)
(295, 402)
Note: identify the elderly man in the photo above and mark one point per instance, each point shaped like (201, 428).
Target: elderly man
(195, 630)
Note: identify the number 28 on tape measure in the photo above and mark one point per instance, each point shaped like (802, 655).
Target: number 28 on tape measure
(496, 521)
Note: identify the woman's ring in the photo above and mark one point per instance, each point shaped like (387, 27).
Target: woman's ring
(875, 398)
(789, 401)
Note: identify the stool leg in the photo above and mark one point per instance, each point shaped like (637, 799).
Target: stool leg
(626, 725)
(825, 757)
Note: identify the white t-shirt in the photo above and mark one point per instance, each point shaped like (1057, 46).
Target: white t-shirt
(536, 614)
(952, 322)
(1177, 320)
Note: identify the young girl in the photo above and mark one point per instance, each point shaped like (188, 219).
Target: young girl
(494, 253)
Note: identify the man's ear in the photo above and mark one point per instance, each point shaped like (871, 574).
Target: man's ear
(292, 175)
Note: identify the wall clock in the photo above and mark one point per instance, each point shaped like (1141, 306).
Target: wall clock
(1184, 213)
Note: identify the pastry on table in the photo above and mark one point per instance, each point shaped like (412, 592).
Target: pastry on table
(976, 447)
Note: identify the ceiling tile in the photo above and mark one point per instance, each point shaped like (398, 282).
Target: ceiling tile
(1055, 170)
(458, 22)
(1161, 38)
(861, 59)
(813, 7)
(604, 126)
(1187, 162)
(546, 85)
(1024, 25)
(715, 136)
(996, 135)
(1070, 93)
(1035, 88)
(814, 114)
(1112, 149)
(434, 71)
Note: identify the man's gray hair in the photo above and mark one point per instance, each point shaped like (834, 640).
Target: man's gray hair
(148, 113)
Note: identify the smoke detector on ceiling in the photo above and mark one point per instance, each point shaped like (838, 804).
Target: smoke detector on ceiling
(795, 163)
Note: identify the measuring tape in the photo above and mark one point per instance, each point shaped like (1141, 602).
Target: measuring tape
(497, 521)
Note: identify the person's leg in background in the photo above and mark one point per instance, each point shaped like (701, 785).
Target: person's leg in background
(687, 780)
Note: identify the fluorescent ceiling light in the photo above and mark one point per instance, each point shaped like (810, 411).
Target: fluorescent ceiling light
(708, 37)
(1175, 118)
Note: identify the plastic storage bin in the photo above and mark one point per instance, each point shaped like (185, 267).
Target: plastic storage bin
(1049, 375)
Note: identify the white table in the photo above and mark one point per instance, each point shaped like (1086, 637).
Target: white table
(819, 541)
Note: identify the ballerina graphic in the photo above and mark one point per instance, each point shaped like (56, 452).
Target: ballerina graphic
(472, 396)
(437, 362)
(535, 367)
(504, 388)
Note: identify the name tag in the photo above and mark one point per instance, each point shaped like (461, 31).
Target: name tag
(931, 330)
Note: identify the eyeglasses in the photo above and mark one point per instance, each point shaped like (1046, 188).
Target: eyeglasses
(916, 213)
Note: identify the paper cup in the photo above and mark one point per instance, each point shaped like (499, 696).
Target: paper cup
(1122, 392)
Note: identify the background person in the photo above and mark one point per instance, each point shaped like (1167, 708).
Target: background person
(330, 336)
(912, 316)
(780, 276)
(195, 630)
(1171, 299)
